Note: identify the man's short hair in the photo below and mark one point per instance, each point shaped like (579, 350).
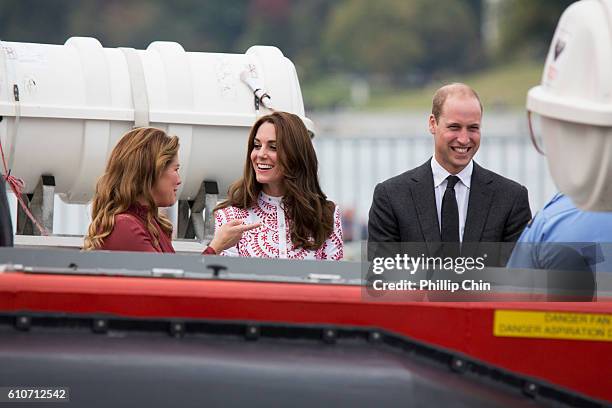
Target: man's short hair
(456, 88)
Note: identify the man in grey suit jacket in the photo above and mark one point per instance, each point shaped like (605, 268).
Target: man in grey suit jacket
(486, 207)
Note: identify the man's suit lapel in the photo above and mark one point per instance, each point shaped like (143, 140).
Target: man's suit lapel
(424, 198)
(479, 204)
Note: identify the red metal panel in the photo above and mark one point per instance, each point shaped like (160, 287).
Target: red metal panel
(582, 366)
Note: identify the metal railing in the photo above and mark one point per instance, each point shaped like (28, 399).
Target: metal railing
(350, 168)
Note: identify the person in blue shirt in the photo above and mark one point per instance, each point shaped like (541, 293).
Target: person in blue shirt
(562, 238)
(561, 225)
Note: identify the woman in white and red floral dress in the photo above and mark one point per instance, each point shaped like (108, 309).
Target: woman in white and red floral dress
(280, 190)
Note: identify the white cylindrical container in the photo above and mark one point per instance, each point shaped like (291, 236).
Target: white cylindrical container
(64, 107)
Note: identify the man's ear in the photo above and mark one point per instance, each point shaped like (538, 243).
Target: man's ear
(432, 124)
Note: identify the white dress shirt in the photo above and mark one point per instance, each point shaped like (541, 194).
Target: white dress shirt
(462, 191)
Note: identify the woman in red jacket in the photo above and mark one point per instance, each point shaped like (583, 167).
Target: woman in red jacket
(141, 176)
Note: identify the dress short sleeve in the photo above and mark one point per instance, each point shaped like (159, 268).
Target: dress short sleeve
(333, 248)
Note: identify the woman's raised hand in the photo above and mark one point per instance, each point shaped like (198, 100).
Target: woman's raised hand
(229, 234)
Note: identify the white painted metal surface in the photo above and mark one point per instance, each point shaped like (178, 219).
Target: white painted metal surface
(76, 100)
(76, 242)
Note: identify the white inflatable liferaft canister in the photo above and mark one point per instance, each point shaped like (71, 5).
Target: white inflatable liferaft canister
(64, 107)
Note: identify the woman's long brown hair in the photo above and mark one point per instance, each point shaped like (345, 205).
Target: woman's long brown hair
(311, 214)
(134, 166)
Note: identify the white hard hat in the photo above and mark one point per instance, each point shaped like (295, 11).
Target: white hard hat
(574, 101)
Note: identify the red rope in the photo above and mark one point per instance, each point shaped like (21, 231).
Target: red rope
(17, 186)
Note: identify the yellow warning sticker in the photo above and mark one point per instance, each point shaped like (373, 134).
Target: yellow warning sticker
(553, 325)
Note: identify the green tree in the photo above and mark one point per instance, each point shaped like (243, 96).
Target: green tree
(395, 38)
(308, 20)
(211, 26)
(34, 21)
(208, 26)
(197, 26)
(116, 23)
(527, 27)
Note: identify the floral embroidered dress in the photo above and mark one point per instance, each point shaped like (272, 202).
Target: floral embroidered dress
(273, 238)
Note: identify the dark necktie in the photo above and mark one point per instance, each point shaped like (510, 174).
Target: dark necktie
(450, 212)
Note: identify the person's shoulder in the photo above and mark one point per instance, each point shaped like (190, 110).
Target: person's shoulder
(499, 182)
(337, 213)
(407, 177)
(558, 211)
(126, 234)
(559, 204)
(126, 221)
(333, 206)
(230, 213)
